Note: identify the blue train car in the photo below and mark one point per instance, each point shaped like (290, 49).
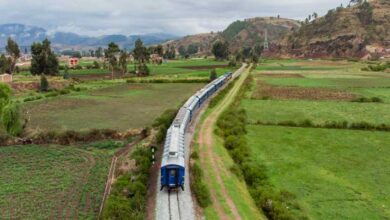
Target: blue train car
(173, 161)
(173, 168)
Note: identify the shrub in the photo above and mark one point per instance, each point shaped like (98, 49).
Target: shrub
(213, 75)
(10, 118)
(200, 190)
(195, 155)
(44, 85)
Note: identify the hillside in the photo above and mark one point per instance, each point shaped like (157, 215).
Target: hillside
(25, 35)
(203, 41)
(241, 34)
(251, 31)
(344, 32)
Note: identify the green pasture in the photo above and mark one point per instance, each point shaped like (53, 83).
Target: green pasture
(318, 112)
(120, 106)
(334, 174)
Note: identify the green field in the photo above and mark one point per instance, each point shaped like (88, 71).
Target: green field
(52, 182)
(318, 112)
(118, 106)
(335, 174)
(171, 68)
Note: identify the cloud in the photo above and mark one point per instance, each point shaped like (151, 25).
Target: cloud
(181, 17)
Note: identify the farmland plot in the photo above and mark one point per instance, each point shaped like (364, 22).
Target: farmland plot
(332, 173)
(52, 182)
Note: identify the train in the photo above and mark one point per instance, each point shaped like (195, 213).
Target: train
(173, 164)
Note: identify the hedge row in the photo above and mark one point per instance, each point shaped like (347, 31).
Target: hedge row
(330, 124)
(162, 123)
(221, 95)
(365, 99)
(151, 80)
(66, 138)
(377, 68)
(53, 93)
(128, 195)
(232, 128)
(198, 186)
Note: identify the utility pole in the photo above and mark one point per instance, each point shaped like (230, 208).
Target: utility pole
(266, 45)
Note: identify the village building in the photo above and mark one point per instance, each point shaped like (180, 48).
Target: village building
(73, 62)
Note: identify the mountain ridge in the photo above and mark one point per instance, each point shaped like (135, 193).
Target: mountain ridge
(25, 35)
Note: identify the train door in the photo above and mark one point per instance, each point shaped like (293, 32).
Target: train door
(173, 177)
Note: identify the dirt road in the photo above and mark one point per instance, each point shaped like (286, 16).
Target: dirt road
(207, 154)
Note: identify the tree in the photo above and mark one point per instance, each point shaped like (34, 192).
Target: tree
(44, 86)
(13, 51)
(192, 49)
(141, 55)
(213, 75)
(99, 52)
(257, 50)
(365, 13)
(96, 65)
(44, 61)
(5, 64)
(123, 61)
(110, 54)
(160, 50)
(182, 50)
(315, 15)
(171, 52)
(140, 52)
(221, 50)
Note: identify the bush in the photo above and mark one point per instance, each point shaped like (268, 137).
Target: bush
(213, 75)
(10, 118)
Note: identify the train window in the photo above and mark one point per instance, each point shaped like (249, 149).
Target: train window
(172, 153)
(173, 172)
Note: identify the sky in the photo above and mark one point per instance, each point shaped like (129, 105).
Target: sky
(178, 17)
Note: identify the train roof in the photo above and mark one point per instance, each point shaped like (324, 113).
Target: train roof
(173, 148)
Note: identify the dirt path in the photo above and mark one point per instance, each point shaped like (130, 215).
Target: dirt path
(207, 154)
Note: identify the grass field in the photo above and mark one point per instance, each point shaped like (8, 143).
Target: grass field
(172, 68)
(52, 182)
(334, 174)
(118, 106)
(318, 112)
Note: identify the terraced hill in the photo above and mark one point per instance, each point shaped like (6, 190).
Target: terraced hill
(359, 30)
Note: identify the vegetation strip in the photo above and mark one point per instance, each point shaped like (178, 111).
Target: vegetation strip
(128, 195)
(111, 173)
(330, 124)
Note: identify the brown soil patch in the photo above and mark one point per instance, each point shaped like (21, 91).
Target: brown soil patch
(267, 91)
(282, 75)
(20, 87)
(208, 67)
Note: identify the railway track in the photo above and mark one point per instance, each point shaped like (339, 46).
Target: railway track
(174, 207)
(178, 204)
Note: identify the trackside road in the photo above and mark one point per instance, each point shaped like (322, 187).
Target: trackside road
(217, 171)
(178, 205)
